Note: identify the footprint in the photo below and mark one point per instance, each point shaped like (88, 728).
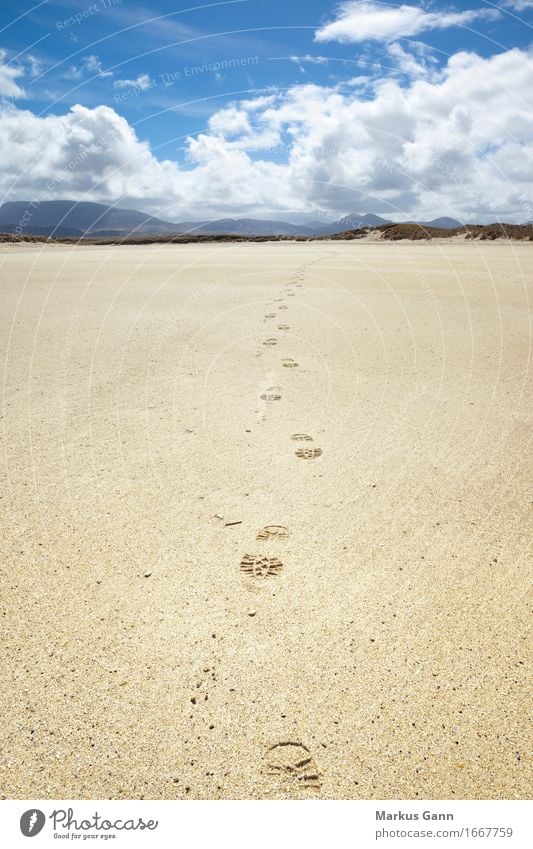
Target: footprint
(270, 343)
(294, 762)
(283, 307)
(271, 315)
(258, 566)
(200, 692)
(283, 327)
(270, 396)
(273, 532)
(308, 453)
(301, 437)
(289, 364)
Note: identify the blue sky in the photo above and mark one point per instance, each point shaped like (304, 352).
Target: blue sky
(298, 98)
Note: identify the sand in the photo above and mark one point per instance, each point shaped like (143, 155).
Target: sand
(387, 641)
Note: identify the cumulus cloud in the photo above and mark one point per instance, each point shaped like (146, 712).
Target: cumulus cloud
(459, 142)
(87, 153)
(230, 122)
(443, 143)
(364, 20)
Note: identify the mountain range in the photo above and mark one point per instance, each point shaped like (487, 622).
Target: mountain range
(72, 219)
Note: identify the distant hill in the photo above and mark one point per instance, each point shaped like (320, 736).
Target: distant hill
(256, 227)
(443, 223)
(356, 222)
(61, 218)
(71, 219)
(246, 227)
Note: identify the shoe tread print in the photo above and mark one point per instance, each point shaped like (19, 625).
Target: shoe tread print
(309, 453)
(293, 762)
(260, 567)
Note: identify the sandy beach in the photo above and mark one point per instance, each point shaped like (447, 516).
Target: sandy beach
(266, 519)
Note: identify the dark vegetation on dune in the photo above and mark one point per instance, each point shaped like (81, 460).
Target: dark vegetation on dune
(392, 232)
(389, 232)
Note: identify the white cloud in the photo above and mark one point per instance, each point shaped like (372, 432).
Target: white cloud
(89, 65)
(258, 103)
(362, 20)
(230, 122)
(87, 153)
(309, 59)
(360, 81)
(518, 5)
(35, 66)
(460, 143)
(423, 64)
(8, 76)
(143, 82)
(93, 65)
(74, 72)
(300, 61)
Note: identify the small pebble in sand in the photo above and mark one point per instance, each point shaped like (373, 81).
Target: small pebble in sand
(147, 575)
(252, 612)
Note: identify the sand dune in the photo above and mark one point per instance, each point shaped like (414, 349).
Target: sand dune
(266, 514)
